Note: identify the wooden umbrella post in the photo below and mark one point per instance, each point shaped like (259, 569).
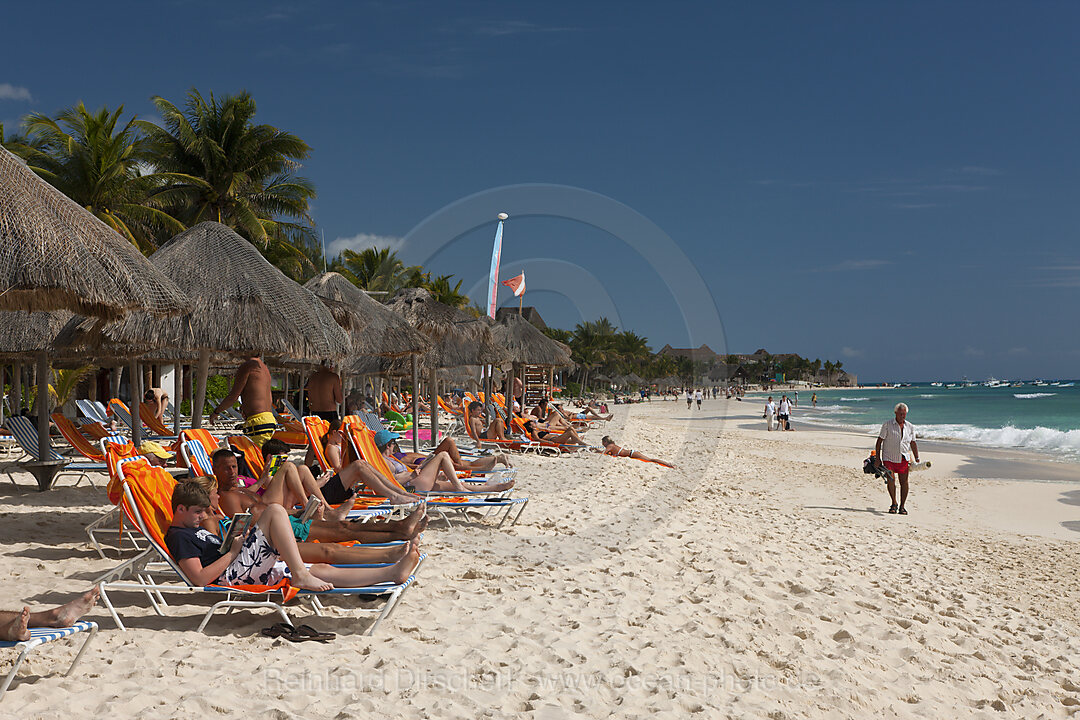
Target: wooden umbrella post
(16, 388)
(178, 395)
(416, 405)
(135, 391)
(199, 401)
(433, 390)
(44, 446)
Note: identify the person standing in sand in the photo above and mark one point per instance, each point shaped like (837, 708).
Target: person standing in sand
(324, 392)
(785, 413)
(698, 397)
(895, 444)
(251, 385)
(689, 399)
(770, 413)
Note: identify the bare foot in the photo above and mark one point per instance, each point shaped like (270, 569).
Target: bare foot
(307, 581)
(405, 567)
(67, 615)
(341, 512)
(501, 457)
(499, 486)
(18, 629)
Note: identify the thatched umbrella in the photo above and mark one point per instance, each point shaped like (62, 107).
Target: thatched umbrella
(55, 255)
(457, 338)
(526, 345)
(240, 305)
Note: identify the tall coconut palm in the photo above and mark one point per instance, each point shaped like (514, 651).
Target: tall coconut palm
(378, 270)
(226, 168)
(99, 164)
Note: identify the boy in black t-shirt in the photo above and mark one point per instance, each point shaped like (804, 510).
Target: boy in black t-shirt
(264, 556)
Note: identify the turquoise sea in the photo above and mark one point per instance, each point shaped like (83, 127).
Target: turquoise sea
(1043, 417)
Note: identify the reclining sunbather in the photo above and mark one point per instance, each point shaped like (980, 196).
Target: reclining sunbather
(328, 532)
(449, 446)
(264, 554)
(437, 475)
(494, 431)
(15, 626)
(589, 412)
(333, 527)
(610, 448)
(534, 432)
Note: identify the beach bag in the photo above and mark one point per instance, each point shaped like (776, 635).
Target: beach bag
(869, 466)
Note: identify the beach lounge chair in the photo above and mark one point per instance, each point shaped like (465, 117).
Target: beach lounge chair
(79, 442)
(196, 459)
(26, 435)
(362, 445)
(316, 427)
(41, 636)
(117, 449)
(151, 421)
(252, 455)
(146, 504)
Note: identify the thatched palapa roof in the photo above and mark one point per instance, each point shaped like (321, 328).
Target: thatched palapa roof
(240, 304)
(373, 328)
(55, 255)
(457, 338)
(525, 344)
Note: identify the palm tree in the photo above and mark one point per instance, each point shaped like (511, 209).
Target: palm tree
(440, 290)
(224, 167)
(100, 165)
(378, 269)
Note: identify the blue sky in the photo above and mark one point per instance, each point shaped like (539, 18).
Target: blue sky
(890, 185)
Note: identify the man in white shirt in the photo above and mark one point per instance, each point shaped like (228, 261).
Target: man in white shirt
(770, 413)
(689, 398)
(895, 446)
(698, 395)
(785, 413)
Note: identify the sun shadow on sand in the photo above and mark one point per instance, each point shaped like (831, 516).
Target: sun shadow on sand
(1072, 497)
(872, 511)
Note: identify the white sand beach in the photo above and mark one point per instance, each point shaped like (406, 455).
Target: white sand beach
(762, 578)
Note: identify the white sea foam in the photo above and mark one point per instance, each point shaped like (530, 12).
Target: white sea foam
(838, 409)
(858, 399)
(928, 396)
(1038, 438)
(1031, 396)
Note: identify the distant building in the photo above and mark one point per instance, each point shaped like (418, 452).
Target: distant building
(528, 312)
(698, 354)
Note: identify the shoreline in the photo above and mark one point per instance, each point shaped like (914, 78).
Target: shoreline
(986, 461)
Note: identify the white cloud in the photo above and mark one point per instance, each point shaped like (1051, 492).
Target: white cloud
(850, 352)
(14, 92)
(363, 241)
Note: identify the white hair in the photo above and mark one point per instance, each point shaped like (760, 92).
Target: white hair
(900, 405)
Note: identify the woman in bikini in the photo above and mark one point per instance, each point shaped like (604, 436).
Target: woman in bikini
(610, 448)
(436, 475)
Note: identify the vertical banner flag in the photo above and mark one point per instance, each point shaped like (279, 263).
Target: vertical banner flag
(493, 275)
(517, 284)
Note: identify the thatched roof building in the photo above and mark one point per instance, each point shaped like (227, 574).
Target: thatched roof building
(457, 338)
(55, 255)
(373, 328)
(525, 344)
(239, 304)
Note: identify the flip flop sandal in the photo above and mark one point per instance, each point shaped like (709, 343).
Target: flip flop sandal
(902, 511)
(306, 632)
(282, 630)
(892, 509)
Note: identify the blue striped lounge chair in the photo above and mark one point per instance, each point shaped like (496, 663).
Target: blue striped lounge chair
(26, 435)
(40, 636)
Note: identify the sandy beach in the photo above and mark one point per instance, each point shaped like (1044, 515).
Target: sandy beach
(762, 578)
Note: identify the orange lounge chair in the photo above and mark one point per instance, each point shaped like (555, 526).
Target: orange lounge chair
(76, 439)
(316, 428)
(252, 455)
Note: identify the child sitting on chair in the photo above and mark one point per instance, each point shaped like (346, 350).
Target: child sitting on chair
(263, 555)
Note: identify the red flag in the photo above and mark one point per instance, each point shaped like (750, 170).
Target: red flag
(517, 284)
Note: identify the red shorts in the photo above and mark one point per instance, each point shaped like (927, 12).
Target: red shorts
(900, 467)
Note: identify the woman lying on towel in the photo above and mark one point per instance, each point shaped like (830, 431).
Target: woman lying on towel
(539, 433)
(436, 475)
(610, 448)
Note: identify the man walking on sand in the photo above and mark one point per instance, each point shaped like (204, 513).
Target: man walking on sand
(895, 444)
(785, 413)
(324, 392)
(251, 385)
(770, 413)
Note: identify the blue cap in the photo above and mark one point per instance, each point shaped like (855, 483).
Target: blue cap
(384, 437)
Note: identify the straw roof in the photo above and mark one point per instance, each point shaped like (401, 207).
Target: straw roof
(524, 343)
(24, 333)
(55, 255)
(457, 337)
(239, 304)
(373, 328)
